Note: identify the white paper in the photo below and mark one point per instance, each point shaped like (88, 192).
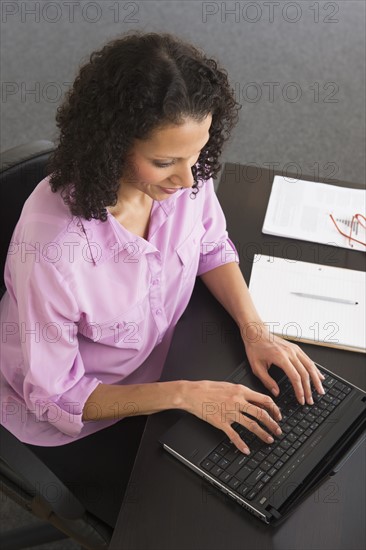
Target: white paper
(300, 210)
(322, 322)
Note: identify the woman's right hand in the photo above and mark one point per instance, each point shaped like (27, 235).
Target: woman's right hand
(223, 403)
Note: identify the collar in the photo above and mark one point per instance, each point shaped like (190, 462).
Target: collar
(106, 239)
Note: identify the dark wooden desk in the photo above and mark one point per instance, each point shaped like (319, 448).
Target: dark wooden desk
(168, 507)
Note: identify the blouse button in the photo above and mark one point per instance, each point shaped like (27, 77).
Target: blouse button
(158, 311)
(155, 282)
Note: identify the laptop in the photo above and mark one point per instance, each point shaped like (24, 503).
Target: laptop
(315, 443)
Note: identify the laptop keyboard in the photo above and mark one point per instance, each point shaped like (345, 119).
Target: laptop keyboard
(248, 475)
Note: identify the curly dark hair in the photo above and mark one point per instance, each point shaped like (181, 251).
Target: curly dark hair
(132, 86)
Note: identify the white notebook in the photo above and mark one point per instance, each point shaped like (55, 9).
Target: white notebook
(300, 210)
(311, 303)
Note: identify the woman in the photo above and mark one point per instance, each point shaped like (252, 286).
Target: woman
(103, 264)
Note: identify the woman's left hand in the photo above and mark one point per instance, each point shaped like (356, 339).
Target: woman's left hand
(265, 349)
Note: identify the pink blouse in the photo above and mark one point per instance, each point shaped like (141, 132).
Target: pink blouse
(89, 302)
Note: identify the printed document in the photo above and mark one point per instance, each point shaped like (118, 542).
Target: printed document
(301, 209)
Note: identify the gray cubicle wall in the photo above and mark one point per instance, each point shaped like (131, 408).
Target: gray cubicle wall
(298, 69)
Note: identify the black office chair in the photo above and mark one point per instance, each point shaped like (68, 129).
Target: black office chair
(23, 474)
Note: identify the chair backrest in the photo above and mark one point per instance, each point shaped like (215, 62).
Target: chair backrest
(21, 169)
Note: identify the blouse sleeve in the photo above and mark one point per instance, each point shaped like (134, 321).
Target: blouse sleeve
(55, 386)
(216, 247)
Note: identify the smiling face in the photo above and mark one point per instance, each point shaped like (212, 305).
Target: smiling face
(161, 165)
